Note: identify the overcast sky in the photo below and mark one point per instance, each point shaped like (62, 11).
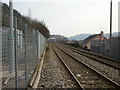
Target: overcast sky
(71, 17)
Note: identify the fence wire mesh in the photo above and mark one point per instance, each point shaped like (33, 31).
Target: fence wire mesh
(21, 51)
(109, 48)
(26, 55)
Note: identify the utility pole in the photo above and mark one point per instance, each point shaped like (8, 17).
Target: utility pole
(11, 36)
(111, 19)
(119, 19)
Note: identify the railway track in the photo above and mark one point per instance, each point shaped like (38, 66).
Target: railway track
(109, 68)
(54, 73)
(79, 84)
(102, 59)
(84, 75)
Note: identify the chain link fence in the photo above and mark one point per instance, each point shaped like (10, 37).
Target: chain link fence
(21, 50)
(109, 48)
(99, 46)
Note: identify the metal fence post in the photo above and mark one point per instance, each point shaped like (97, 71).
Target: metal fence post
(40, 44)
(11, 39)
(37, 44)
(34, 45)
(26, 56)
(0, 45)
(15, 52)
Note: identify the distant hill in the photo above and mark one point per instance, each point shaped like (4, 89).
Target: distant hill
(83, 36)
(79, 37)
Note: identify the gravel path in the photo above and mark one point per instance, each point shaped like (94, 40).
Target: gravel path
(54, 73)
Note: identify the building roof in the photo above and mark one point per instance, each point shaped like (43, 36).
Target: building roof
(88, 39)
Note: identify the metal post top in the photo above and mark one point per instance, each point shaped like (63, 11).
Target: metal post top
(10, 0)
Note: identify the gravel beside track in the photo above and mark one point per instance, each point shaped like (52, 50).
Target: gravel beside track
(54, 73)
(97, 57)
(87, 77)
(108, 71)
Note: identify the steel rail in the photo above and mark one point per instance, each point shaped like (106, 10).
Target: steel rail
(107, 61)
(105, 57)
(80, 85)
(90, 68)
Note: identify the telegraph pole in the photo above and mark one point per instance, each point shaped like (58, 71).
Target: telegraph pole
(111, 19)
(119, 19)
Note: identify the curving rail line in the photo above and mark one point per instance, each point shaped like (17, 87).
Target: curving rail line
(77, 81)
(92, 80)
(102, 59)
